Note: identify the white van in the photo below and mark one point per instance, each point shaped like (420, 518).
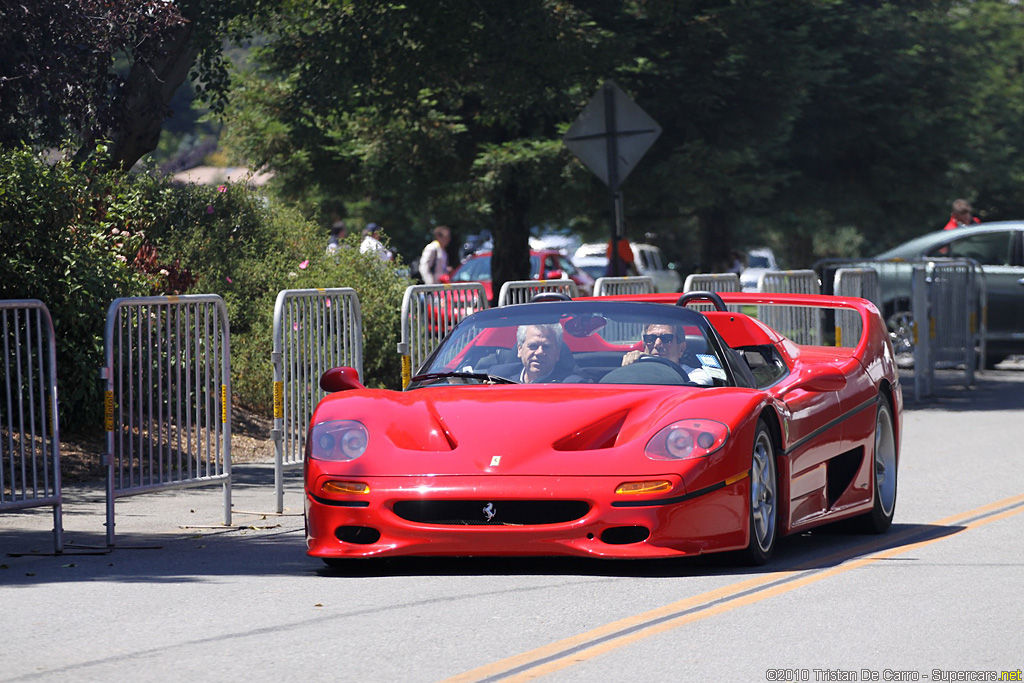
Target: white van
(592, 257)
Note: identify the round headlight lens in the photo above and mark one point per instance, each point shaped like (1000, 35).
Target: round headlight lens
(687, 439)
(338, 440)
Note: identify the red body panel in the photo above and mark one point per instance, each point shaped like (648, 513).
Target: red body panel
(495, 445)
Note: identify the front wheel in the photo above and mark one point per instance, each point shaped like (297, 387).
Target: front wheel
(884, 461)
(764, 507)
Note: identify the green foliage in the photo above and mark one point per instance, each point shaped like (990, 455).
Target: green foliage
(76, 238)
(66, 243)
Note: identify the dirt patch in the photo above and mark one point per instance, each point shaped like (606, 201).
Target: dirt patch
(80, 454)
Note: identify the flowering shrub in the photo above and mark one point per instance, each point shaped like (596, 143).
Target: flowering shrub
(77, 239)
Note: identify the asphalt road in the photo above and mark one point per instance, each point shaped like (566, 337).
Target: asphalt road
(182, 597)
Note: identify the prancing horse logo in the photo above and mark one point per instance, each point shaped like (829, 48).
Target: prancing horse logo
(490, 511)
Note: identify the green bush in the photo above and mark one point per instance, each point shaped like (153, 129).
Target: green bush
(77, 238)
(59, 247)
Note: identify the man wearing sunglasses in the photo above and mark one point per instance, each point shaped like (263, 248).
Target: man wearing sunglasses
(668, 342)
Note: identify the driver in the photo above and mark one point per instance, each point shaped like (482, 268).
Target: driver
(668, 342)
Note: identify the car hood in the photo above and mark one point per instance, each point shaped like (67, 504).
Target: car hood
(545, 430)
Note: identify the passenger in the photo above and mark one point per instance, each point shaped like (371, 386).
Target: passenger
(668, 342)
(540, 352)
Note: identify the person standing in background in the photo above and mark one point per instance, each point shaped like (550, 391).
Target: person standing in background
(962, 215)
(434, 259)
(371, 243)
(338, 234)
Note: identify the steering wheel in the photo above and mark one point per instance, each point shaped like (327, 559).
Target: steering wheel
(667, 363)
(713, 297)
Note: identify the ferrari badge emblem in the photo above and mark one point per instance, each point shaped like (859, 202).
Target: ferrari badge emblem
(490, 511)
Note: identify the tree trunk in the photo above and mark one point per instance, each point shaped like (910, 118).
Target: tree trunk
(511, 231)
(147, 95)
(715, 240)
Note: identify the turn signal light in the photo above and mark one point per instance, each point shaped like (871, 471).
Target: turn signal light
(635, 487)
(346, 487)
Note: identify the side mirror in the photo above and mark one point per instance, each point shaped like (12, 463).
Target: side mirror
(554, 275)
(340, 379)
(446, 278)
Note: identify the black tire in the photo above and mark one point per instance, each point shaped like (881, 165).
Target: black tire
(885, 460)
(763, 509)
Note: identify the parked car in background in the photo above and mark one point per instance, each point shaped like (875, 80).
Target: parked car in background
(650, 262)
(544, 265)
(759, 260)
(999, 250)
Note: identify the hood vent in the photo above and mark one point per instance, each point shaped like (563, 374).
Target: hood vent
(601, 434)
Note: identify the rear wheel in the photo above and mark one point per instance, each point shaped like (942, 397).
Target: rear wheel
(879, 519)
(764, 489)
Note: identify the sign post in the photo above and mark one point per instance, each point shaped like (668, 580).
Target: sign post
(610, 136)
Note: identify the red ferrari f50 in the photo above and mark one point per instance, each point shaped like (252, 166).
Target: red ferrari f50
(618, 427)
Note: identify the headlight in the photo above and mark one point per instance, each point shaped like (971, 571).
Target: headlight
(687, 439)
(338, 440)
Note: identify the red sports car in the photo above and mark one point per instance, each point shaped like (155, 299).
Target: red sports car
(618, 427)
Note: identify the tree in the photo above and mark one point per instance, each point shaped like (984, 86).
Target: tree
(396, 102)
(105, 70)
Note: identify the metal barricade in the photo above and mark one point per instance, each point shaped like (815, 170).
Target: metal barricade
(802, 324)
(711, 282)
(29, 418)
(168, 396)
(429, 312)
(613, 286)
(314, 331)
(858, 282)
(935, 309)
(521, 291)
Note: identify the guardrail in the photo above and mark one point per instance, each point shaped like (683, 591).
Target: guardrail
(429, 312)
(29, 417)
(168, 396)
(314, 330)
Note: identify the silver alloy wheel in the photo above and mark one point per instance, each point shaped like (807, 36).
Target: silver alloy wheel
(885, 460)
(762, 491)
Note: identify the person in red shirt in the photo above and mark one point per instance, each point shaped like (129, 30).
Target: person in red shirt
(625, 264)
(962, 215)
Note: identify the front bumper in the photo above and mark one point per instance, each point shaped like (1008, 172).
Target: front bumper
(482, 515)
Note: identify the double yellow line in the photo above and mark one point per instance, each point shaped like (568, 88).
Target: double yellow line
(585, 646)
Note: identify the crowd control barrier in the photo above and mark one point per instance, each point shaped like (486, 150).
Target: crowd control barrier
(859, 282)
(521, 291)
(29, 419)
(614, 286)
(168, 396)
(711, 282)
(935, 309)
(429, 312)
(314, 330)
(802, 324)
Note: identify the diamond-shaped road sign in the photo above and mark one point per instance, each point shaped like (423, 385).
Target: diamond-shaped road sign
(611, 134)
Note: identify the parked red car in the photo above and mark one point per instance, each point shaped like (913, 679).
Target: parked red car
(544, 265)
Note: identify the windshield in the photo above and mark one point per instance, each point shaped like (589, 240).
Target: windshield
(579, 342)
